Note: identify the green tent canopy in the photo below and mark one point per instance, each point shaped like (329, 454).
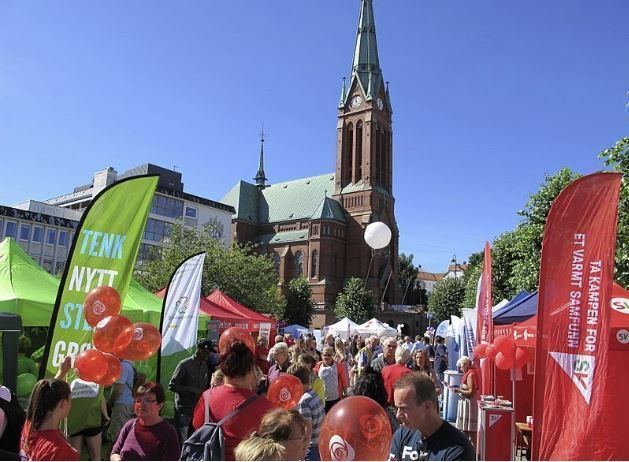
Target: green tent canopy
(30, 291)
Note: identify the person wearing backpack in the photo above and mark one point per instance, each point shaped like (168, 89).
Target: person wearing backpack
(236, 394)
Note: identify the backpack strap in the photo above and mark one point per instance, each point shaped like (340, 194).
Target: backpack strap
(231, 414)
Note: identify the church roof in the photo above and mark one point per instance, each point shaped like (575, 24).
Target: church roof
(244, 197)
(304, 198)
(283, 237)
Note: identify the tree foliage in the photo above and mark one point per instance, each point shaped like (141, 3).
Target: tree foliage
(355, 301)
(617, 158)
(239, 271)
(470, 279)
(447, 298)
(299, 306)
(407, 280)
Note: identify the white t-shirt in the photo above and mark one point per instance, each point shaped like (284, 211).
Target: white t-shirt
(330, 377)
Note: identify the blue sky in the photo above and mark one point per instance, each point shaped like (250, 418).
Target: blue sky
(487, 97)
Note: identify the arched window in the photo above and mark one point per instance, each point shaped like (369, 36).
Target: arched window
(299, 263)
(359, 151)
(347, 155)
(276, 262)
(313, 264)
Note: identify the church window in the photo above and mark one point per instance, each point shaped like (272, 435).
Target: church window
(299, 263)
(276, 262)
(313, 264)
(347, 155)
(359, 152)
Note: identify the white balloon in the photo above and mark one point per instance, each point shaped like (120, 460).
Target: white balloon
(377, 235)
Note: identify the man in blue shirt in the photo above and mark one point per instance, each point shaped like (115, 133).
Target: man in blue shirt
(424, 435)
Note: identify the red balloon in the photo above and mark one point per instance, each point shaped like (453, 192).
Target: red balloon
(504, 344)
(113, 334)
(145, 342)
(504, 361)
(91, 365)
(236, 333)
(479, 350)
(285, 391)
(113, 370)
(522, 356)
(356, 428)
(491, 351)
(101, 302)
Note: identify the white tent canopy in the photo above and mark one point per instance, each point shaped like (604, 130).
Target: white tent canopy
(345, 328)
(376, 327)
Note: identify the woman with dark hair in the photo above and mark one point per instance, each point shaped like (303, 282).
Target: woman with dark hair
(147, 437)
(421, 364)
(11, 423)
(287, 428)
(48, 406)
(371, 385)
(239, 385)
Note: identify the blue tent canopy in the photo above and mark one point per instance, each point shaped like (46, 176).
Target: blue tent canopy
(517, 312)
(295, 330)
(514, 301)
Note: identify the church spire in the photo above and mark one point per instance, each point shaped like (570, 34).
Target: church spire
(260, 177)
(366, 65)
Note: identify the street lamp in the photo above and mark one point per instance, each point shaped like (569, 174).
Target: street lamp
(455, 264)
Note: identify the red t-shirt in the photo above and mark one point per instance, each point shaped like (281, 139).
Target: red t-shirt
(46, 445)
(225, 399)
(390, 375)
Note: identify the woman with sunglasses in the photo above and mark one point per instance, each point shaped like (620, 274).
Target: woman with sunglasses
(147, 437)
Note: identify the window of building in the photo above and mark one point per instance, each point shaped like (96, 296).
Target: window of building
(157, 230)
(191, 212)
(11, 229)
(277, 260)
(167, 206)
(148, 252)
(313, 264)
(51, 239)
(38, 234)
(63, 238)
(47, 265)
(25, 232)
(59, 267)
(299, 263)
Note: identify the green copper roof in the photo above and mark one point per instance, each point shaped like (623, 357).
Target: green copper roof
(366, 64)
(295, 199)
(260, 177)
(329, 209)
(244, 197)
(284, 237)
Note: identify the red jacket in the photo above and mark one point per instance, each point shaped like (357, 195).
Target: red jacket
(343, 379)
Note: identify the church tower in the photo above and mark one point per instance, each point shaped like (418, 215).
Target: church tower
(364, 161)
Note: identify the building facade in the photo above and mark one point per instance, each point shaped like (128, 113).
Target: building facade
(314, 226)
(45, 229)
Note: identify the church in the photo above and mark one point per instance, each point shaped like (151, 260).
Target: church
(314, 226)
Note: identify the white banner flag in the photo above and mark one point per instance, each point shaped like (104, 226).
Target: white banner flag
(180, 315)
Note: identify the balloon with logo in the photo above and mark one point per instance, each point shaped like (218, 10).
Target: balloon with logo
(285, 391)
(505, 361)
(91, 365)
(113, 334)
(479, 350)
(25, 384)
(145, 342)
(101, 302)
(522, 356)
(356, 428)
(113, 370)
(235, 333)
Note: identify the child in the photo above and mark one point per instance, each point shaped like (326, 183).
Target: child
(316, 383)
(311, 408)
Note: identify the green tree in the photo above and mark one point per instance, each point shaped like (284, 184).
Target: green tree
(447, 298)
(617, 158)
(470, 279)
(355, 302)
(238, 271)
(407, 278)
(299, 307)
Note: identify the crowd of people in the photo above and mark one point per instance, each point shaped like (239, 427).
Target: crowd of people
(404, 377)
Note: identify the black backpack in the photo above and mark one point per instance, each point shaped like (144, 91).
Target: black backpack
(208, 441)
